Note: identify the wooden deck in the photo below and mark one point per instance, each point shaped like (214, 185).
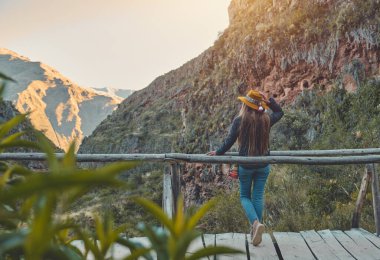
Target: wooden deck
(324, 244)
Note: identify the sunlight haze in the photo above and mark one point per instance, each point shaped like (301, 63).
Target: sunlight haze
(117, 43)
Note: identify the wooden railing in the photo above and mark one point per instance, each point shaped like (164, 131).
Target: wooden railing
(173, 170)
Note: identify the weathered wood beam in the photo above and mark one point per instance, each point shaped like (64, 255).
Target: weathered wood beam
(276, 159)
(85, 157)
(376, 198)
(196, 158)
(167, 194)
(176, 184)
(321, 152)
(361, 196)
(159, 157)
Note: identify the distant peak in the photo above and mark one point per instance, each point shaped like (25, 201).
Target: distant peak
(4, 51)
(115, 92)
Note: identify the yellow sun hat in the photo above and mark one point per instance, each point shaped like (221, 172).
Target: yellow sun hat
(254, 100)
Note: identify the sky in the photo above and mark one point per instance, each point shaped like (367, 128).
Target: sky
(115, 43)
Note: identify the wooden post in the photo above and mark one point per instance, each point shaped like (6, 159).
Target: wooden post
(167, 194)
(175, 178)
(376, 198)
(361, 197)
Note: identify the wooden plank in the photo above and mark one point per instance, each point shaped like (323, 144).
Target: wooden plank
(162, 157)
(364, 243)
(364, 159)
(116, 251)
(322, 249)
(371, 237)
(275, 159)
(265, 250)
(361, 197)
(146, 243)
(317, 245)
(197, 244)
(176, 183)
(320, 152)
(232, 240)
(167, 194)
(292, 246)
(336, 248)
(376, 198)
(351, 246)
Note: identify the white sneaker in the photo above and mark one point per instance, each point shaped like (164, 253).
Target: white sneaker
(257, 231)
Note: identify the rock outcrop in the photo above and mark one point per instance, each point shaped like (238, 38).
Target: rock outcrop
(7, 112)
(60, 108)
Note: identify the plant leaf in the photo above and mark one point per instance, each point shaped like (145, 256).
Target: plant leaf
(41, 228)
(89, 245)
(19, 143)
(60, 182)
(12, 137)
(156, 212)
(7, 126)
(16, 169)
(179, 219)
(193, 221)
(182, 243)
(213, 250)
(47, 148)
(10, 241)
(63, 252)
(69, 159)
(158, 238)
(138, 253)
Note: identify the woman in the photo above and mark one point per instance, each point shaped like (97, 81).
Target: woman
(251, 128)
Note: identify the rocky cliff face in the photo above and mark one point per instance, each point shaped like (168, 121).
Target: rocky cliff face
(7, 112)
(279, 47)
(60, 108)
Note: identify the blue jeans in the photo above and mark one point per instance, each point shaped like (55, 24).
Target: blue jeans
(253, 205)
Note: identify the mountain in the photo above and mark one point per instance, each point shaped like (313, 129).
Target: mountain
(118, 92)
(7, 112)
(280, 47)
(60, 108)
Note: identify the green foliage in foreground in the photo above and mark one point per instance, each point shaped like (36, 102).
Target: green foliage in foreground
(32, 205)
(119, 203)
(180, 232)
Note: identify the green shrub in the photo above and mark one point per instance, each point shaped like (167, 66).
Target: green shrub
(227, 215)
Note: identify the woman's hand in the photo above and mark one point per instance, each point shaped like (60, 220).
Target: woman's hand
(265, 99)
(211, 153)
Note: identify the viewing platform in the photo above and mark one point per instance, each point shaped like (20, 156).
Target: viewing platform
(355, 243)
(311, 244)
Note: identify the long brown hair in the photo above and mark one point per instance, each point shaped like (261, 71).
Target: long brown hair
(254, 129)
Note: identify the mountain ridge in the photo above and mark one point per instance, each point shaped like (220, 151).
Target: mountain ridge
(117, 92)
(60, 108)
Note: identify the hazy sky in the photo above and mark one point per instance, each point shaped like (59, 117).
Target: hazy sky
(114, 43)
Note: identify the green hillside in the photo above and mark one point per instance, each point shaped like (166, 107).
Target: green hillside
(318, 58)
(280, 48)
